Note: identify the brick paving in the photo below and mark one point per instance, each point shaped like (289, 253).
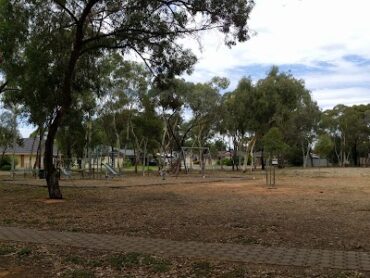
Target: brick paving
(347, 260)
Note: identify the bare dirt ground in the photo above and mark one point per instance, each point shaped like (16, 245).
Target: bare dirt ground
(326, 209)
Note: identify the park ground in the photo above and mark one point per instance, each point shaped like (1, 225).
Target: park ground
(319, 209)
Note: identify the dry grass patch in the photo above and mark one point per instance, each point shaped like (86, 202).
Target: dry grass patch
(326, 210)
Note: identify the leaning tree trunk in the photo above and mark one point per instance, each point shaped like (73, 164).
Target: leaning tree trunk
(51, 172)
(66, 101)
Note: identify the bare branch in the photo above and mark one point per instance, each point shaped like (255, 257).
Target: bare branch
(67, 10)
(2, 87)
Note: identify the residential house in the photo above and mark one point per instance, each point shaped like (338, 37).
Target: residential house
(26, 153)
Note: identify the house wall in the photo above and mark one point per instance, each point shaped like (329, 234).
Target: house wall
(25, 163)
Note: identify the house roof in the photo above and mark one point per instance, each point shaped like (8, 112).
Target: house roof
(107, 151)
(28, 146)
(127, 152)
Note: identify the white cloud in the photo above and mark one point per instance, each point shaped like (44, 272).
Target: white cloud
(26, 131)
(347, 96)
(303, 32)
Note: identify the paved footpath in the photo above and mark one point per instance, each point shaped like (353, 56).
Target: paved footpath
(347, 260)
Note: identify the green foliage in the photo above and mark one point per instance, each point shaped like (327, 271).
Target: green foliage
(349, 130)
(127, 163)
(294, 155)
(273, 142)
(8, 126)
(55, 53)
(204, 101)
(24, 252)
(229, 161)
(6, 162)
(324, 145)
(238, 110)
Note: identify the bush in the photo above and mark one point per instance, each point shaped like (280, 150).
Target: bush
(6, 160)
(6, 168)
(229, 161)
(127, 163)
(6, 163)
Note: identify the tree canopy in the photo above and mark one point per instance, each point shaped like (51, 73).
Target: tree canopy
(53, 50)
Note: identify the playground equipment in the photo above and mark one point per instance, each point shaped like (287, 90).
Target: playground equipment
(65, 172)
(110, 171)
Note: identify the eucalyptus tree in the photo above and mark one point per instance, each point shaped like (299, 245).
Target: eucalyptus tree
(8, 131)
(349, 130)
(301, 129)
(74, 135)
(358, 131)
(274, 143)
(171, 105)
(238, 116)
(324, 145)
(284, 102)
(146, 129)
(204, 102)
(68, 33)
(125, 83)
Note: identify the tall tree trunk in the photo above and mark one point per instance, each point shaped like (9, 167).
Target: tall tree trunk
(3, 153)
(201, 153)
(304, 160)
(66, 101)
(262, 160)
(51, 172)
(306, 154)
(337, 153)
(311, 159)
(31, 155)
(144, 156)
(355, 154)
(344, 162)
(126, 141)
(135, 155)
(252, 153)
(39, 150)
(69, 154)
(235, 151)
(246, 156)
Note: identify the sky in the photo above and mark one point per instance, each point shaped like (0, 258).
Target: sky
(324, 42)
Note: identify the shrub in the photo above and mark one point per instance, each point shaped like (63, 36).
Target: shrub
(6, 163)
(6, 168)
(127, 163)
(6, 160)
(229, 161)
(24, 252)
